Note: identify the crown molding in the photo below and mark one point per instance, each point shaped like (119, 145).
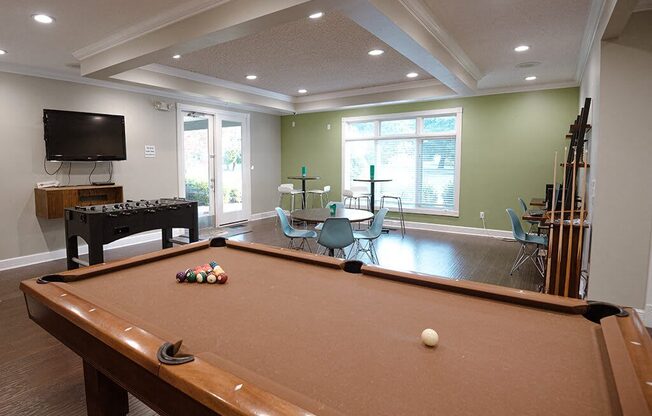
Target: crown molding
(593, 24)
(425, 16)
(115, 85)
(525, 88)
(218, 82)
(184, 10)
(368, 90)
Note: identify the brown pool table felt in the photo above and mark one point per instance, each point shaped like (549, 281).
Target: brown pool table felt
(339, 343)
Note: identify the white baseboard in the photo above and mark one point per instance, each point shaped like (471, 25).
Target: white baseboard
(262, 215)
(35, 258)
(455, 229)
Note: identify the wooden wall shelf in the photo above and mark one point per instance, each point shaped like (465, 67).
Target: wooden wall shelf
(50, 202)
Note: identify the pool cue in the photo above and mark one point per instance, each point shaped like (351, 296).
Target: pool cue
(583, 213)
(561, 224)
(553, 196)
(569, 252)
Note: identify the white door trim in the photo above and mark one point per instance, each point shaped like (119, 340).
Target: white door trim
(245, 214)
(216, 161)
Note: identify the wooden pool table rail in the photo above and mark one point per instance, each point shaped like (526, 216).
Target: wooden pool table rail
(102, 268)
(500, 293)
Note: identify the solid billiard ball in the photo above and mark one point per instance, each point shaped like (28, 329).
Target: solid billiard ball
(213, 264)
(191, 277)
(222, 278)
(430, 337)
(181, 277)
(218, 270)
(211, 278)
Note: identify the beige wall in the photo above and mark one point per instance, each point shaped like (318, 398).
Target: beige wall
(622, 215)
(22, 100)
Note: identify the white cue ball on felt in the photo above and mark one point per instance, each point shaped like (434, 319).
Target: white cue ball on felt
(430, 337)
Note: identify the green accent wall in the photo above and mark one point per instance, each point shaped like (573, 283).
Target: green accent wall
(508, 147)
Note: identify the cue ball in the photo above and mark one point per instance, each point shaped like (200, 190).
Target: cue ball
(430, 337)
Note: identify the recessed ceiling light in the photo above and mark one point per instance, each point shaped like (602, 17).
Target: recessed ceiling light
(376, 52)
(521, 48)
(530, 78)
(412, 75)
(316, 15)
(302, 91)
(177, 56)
(43, 18)
(252, 77)
(3, 52)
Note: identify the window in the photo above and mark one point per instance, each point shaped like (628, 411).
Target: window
(419, 152)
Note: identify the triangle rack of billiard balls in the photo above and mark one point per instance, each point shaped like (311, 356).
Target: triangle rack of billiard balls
(208, 273)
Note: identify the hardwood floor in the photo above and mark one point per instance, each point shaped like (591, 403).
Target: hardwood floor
(39, 376)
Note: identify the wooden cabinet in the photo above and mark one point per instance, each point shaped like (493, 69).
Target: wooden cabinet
(50, 202)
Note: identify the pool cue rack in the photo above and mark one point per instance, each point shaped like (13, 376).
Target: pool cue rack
(568, 220)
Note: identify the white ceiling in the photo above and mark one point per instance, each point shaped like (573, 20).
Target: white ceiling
(322, 55)
(78, 24)
(462, 47)
(488, 31)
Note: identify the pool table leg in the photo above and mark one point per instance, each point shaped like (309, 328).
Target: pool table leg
(103, 396)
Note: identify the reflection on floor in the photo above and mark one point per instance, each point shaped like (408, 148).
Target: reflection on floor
(39, 376)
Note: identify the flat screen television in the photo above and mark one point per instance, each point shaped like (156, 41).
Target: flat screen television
(75, 136)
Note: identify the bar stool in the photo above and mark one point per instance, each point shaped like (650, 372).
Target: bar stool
(400, 209)
(356, 193)
(287, 189)
(321, 193)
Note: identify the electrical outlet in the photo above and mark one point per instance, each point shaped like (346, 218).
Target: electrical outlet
(482, 215)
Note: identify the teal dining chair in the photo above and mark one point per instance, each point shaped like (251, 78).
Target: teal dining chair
(293, 234)
(527, 240)
(336, 234)
(370, 235)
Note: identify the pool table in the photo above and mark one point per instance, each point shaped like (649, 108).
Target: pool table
(292, 333)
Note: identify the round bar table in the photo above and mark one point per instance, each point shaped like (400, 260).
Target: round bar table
(303, 180)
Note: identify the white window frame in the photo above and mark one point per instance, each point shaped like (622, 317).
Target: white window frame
(420, 135)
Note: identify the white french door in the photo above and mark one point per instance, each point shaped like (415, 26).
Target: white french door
(214, 163)
(233, 194)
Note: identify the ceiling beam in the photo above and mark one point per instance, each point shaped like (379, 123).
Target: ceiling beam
(409, 27)
(227, 96)
(227, 21)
